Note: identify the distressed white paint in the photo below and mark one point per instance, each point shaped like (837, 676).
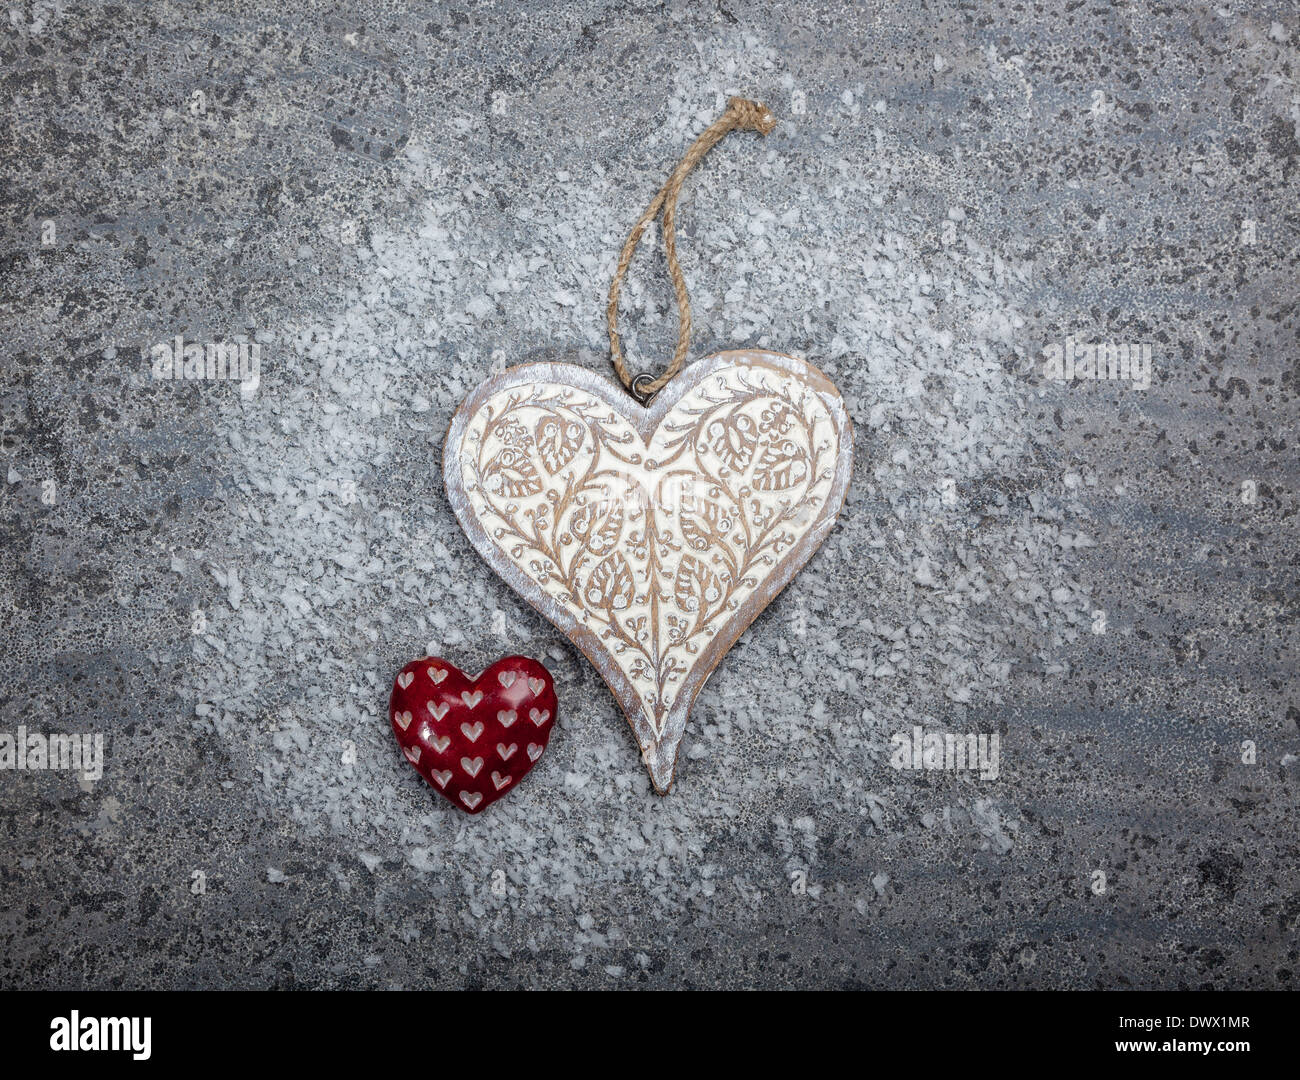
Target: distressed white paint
(651, 536)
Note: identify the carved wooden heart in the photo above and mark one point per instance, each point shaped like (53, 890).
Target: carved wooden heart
(651, 536)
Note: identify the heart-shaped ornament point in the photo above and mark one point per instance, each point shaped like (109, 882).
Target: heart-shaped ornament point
(651, 536)
(454, 730)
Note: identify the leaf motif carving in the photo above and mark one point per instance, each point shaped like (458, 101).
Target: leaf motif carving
(558, 440)
(511, 473)
(652, 543)
(610, 585)
(695, 587)
(734, 439)
(780, 466)
(598, 525)
(703, 523)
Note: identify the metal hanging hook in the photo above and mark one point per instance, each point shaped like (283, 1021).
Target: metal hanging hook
(643, 396)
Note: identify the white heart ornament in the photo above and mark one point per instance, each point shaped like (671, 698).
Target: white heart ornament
(651, 536)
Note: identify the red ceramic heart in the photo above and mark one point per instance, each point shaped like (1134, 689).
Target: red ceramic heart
(473, 739)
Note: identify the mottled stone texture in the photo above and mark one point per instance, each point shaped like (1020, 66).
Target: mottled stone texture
(389, 202)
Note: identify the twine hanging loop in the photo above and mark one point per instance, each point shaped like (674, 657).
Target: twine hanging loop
(741, 115)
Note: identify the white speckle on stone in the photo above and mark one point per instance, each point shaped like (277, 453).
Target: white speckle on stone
(917, 606)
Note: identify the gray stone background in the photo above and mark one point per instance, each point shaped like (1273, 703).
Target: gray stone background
(390, 199)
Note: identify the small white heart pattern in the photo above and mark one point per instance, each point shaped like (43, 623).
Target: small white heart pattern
(464, 726)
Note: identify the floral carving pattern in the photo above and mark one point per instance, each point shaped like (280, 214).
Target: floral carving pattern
(653, 546)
